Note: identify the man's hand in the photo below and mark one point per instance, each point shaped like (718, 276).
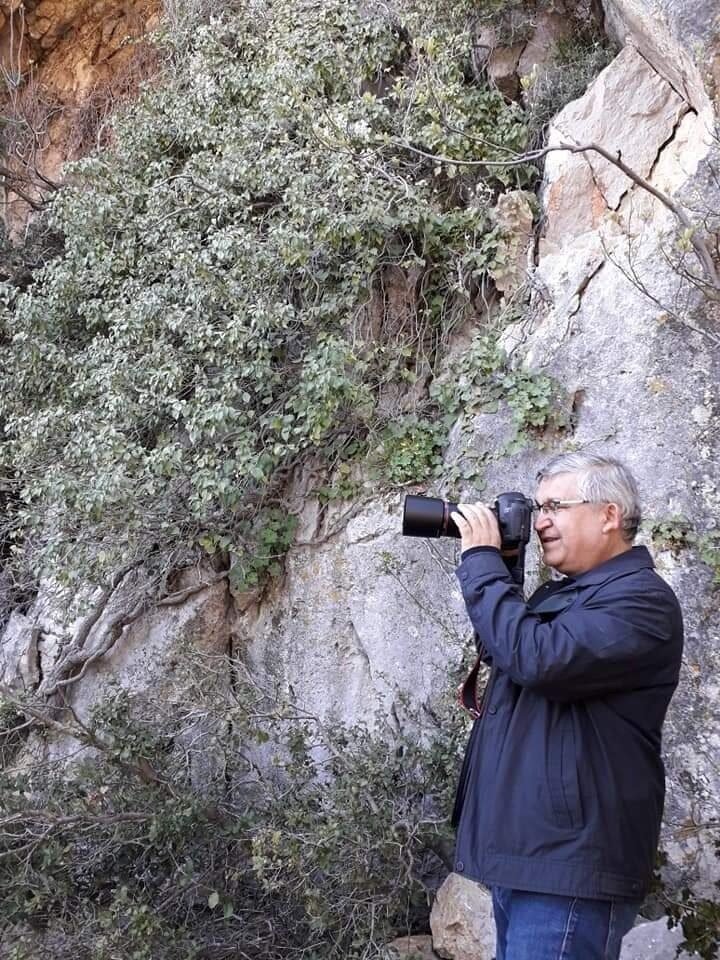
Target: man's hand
(478, 526)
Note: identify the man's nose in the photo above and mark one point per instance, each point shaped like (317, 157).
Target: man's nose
(542, 521)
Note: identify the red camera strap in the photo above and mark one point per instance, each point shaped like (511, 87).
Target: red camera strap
(467, 691)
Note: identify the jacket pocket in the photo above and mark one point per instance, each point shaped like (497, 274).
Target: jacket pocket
(564, 788)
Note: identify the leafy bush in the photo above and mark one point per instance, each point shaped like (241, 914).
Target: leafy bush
(700, 919)
(478, 378)
(216, 313)
(316, 842)
(411, 450)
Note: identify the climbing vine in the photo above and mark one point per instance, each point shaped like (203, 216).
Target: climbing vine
(223, 305)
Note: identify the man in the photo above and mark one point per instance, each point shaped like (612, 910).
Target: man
(562, 787)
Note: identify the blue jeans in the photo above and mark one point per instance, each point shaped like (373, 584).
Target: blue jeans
(540, 926)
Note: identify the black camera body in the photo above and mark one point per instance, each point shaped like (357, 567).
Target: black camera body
(430, 517)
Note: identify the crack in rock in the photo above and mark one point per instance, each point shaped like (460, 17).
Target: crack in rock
(360, 647)
(576, 301)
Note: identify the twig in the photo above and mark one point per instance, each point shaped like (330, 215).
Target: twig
(181, 596)
(698, 243)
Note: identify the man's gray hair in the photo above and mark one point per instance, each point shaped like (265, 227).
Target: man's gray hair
(601, 480)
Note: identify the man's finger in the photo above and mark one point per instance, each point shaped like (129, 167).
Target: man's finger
(486, 512)
(459, 519)
(477, 513)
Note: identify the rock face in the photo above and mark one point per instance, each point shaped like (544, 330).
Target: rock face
(68, 64)
(71, 46)
(549, 27)
(418, 947)
(532, 46)
(42, 650)
(361, 615)
(620, 324)
(681, 39)
(653, 941)
(629, 110)
(19, 667)
(514, 215)
(501, 62)
(619, 317)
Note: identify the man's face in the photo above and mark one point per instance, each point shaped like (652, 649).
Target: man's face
(578, 537)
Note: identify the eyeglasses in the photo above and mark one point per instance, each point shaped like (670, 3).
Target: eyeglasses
(551, 507)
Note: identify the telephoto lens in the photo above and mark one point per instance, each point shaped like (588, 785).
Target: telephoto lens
(429, 517)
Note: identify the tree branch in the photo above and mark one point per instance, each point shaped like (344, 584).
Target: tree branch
(698, 243)
(181, 596)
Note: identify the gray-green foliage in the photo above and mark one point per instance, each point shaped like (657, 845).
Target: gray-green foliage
(172, 842)
(677, 533)
(479, 377)
(213, 318)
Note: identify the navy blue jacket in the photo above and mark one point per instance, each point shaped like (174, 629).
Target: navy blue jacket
(563, 783)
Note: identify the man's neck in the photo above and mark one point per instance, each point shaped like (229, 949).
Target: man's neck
(615, 551)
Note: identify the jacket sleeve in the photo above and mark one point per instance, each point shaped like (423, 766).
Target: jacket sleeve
(621, 638)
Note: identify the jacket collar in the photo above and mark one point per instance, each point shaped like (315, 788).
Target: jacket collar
(637, 558)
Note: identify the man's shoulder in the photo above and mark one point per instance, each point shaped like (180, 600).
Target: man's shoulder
(639, 586)
(625, 571)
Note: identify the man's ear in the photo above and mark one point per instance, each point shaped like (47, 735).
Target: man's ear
(613, 518)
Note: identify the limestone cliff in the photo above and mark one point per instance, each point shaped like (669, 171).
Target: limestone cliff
(619, 313)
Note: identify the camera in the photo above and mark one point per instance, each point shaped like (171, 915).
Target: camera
(430, 517)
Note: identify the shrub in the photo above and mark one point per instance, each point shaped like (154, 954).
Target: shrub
(216, 314)
(478, 378)
(316, 842)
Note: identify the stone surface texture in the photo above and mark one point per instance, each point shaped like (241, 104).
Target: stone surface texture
(507, 62)
(19, 668)
(654, 941)
(680, 38)
(72, 45)
(68, 64)
(364, 617)
(418, 947)
(514, 215)
(361, 616)
(549, 27)
(147, 657)
(462, 922)
(629, 109)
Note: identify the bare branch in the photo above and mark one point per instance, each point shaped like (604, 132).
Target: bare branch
(78, 657)
(55, 820)
(182, 595)
(698, 243)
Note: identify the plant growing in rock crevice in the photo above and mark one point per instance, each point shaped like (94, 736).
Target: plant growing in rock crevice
(477, 379)
(678, 533)
(212, 319)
